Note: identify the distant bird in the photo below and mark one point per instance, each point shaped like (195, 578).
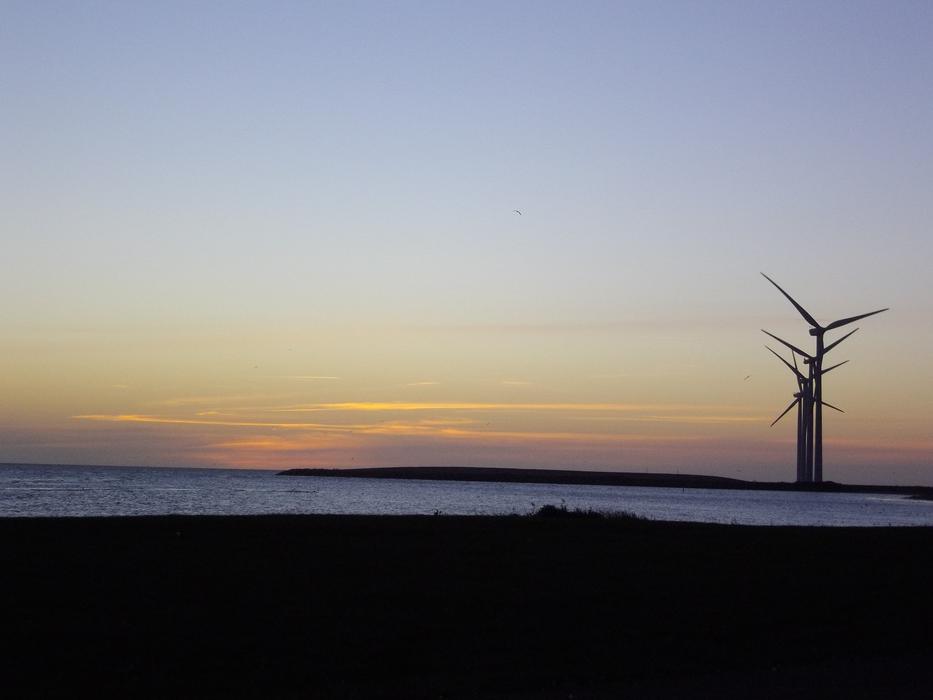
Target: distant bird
(517, 212)
(746, 378)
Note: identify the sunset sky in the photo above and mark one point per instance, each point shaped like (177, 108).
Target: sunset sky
(283, 234)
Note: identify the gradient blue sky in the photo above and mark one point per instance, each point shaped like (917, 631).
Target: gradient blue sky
(211, 201)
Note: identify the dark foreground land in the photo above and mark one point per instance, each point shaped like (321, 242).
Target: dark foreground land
(451, 607)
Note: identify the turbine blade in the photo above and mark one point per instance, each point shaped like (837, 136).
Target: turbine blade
(791, 367)
(845, 321)
(829, 405)
(803, 312)
(830, 369)
(800, 378)
(835, 343)
(792, 347)
(792, 404)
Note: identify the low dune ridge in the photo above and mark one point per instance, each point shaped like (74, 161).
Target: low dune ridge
(604, 478)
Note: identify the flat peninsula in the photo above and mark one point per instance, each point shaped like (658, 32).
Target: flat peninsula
(600, 478)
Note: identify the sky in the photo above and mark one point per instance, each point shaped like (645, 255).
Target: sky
(244, 234)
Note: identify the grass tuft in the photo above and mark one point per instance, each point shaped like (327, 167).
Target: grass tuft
(562, 511)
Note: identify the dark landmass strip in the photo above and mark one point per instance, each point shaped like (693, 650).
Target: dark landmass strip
(462, 607)
(570, 476)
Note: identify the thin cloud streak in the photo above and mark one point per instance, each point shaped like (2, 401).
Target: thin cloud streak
(215, 399)
(308, 377)
(706, 420)
(142, 418)
(665, 325)
(505, 437)
(480, 406)
(430, 428)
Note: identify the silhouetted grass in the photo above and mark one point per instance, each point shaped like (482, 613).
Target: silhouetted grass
(562, 511)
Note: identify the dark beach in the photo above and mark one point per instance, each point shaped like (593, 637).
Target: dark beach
(526, 607)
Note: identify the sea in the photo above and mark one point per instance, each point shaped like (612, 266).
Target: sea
(82, 491)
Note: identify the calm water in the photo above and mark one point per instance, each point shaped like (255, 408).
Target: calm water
(86, 491)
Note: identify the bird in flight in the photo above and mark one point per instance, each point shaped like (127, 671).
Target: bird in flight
(517, 212)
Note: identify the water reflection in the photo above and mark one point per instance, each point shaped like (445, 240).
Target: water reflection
(85, 491)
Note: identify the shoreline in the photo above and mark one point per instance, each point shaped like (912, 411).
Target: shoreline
(464, 607)
(551, 476)
(597, 478)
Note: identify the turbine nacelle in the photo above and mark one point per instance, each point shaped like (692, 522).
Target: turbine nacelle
(816, 329)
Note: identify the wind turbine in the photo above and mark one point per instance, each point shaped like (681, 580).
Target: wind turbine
(802, 402)
(805, 408)
(816, 361)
